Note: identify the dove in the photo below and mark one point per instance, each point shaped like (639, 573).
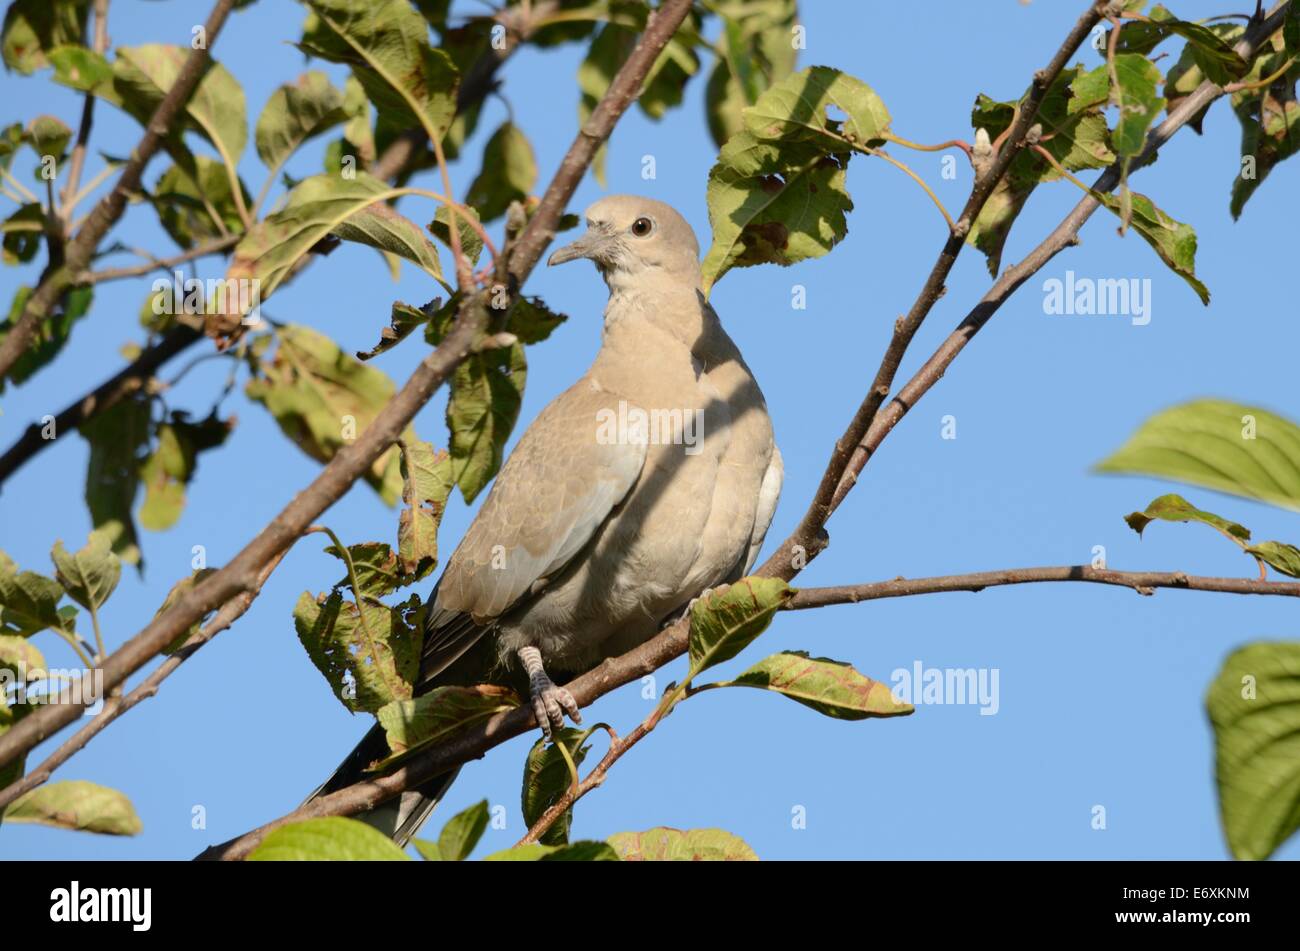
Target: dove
(647, 483)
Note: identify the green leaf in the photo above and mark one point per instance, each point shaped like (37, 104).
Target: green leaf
(1254, 707)
(509, 172)
(471, 245)
(1270, 124)
(756, 45)
(1206, 44)
(79, 805)
(331, 839)
(547, 779)
(216, 109)
(1137, 102)
(796, 109)
(462, 832)
(23, 232)
(1291, 30)
(426, 484)
(1172, 240)
(1175, 508)
(170, 467)
(353, 209)
(322, 399)
(174, 594)
(51, 334)
(486, 392)
(582, 851)
(34, 27)
(118, 437)
(294, 113)
(773, 205)
(1075, 134)
(405, 320)
(376, 567)
(723, 623)
(663, 844)
(428, 850)
(1241, 450)
(29, 602)
(49, 135)
(369, 656)
(186, 199)
(386, 44)
(830, 687)
(91, 575)
(82, 69)
(1281, 556)
(19, 657)
(532, 321)
(420, 721)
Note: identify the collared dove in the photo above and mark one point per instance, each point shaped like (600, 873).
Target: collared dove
(650, 480)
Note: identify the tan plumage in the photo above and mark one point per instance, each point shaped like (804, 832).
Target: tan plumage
(587, 544)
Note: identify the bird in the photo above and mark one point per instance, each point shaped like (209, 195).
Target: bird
(648, 483)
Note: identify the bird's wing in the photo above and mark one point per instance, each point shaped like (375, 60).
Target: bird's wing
(552, 495)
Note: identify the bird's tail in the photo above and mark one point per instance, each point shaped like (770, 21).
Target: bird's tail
(447, 657)
(400, 817)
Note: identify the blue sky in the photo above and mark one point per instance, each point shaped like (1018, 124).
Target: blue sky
(1101, 691)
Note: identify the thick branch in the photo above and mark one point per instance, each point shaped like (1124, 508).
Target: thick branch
(105, 214)
(477, 740)
(239, 576)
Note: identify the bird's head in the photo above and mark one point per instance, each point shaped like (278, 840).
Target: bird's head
(632, 238)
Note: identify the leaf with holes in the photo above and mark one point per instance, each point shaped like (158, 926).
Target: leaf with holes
(370, 656)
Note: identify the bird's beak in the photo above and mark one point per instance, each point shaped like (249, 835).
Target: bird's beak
(590, 245)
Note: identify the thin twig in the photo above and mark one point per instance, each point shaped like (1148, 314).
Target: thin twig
(115, 706)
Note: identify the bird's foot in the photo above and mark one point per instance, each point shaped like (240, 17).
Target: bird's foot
(550, 702)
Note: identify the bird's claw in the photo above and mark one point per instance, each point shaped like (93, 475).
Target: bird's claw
(551, 703)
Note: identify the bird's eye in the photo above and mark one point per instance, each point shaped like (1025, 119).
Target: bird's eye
(642, 227)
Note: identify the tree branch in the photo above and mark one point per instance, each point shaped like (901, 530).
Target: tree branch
(239, 576)
(78, 160)
(105, 214)
(805, 538)
(116, 705)
(1064, 235)
(674, 640)
(478, 82)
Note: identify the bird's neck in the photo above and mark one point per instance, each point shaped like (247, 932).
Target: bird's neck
(670, 307)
